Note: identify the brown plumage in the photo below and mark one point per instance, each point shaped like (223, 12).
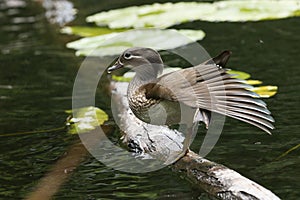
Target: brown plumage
(201, 89)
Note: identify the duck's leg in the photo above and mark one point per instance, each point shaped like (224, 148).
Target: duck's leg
(190, 133)
(188, 126)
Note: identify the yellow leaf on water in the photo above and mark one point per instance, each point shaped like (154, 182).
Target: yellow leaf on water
(120, 78)
(265, 91)
(239, 74)
(253, 82)
(85, 119)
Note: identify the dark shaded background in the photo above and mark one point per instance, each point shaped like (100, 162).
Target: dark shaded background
(36, 80)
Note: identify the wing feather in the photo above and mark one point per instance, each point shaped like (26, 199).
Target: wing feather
(210, 88)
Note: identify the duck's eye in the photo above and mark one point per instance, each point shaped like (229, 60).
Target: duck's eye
(127, 56)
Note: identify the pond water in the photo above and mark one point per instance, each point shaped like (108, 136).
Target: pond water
(36, 80)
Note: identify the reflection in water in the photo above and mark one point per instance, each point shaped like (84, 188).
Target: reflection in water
(59, 12)
(10, 4)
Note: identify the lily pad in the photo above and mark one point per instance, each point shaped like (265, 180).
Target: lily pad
(239, 74)
(262, 91)
(115, 43)
(121, 78)
(86, 31)
(253, 82)
(169, 14)
(265, 91)
(87, 119)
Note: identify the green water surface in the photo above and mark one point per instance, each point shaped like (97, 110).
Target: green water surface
(36, 80)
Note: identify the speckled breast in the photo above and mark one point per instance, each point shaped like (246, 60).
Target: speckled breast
(140, 105)
(153, 111)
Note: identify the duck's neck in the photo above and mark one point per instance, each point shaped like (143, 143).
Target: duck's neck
(138, 81)
(143, 76)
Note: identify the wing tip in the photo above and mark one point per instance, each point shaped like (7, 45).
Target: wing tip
(222, 58)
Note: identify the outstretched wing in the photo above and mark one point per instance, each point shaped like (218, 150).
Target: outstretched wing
(209, 87)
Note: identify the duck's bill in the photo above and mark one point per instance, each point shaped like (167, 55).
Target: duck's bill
(116, 66)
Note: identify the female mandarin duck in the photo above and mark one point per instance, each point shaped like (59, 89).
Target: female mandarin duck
(189, 95)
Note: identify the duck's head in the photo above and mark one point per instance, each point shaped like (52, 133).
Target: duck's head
(140, 59)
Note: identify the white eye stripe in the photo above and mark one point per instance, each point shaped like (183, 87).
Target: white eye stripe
(127, 57)
(136, 56)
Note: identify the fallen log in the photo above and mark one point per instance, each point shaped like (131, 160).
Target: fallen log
(163, 143)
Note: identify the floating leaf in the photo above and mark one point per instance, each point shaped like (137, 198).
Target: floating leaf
(265, 91)
(85, 31)
(239, 74)
(262, 91)
(116, 43)
(253, 82)
(169, 14)
(121, 78)
(87, 119)
(90, 42)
